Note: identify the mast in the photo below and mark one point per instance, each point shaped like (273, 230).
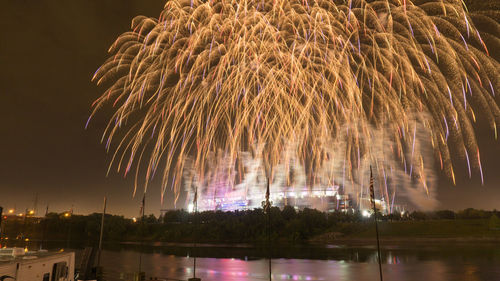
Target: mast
(267, 210)
(101, 234)
(142, 227)
(372, 199)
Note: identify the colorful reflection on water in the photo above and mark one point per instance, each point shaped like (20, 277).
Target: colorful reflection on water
(429, 263)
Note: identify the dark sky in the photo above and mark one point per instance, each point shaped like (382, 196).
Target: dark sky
(49, 51)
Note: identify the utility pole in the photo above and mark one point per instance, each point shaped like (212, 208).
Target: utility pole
(372, 198)
(102, 232)
(1, 226)
(141, 275)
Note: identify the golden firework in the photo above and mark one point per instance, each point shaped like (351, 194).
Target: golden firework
(224, 77)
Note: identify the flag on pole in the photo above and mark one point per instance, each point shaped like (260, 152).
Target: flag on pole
(141, 211)
(372, 191)
(267, 204)
(268, 194)
(372, 199)
(267, 190)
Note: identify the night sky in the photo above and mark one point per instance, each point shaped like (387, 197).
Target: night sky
(49, 50)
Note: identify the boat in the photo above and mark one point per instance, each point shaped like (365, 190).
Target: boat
(21, 265)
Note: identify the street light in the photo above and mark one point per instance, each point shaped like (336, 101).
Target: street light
(67, 215)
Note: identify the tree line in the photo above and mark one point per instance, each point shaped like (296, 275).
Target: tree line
(287, 225)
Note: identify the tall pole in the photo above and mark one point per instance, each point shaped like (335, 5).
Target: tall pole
(372, 198)
(195, 203)
(142, 231)
(102, 231)
(267, 210)
(24, 235)
(1, 227)
(69, 226)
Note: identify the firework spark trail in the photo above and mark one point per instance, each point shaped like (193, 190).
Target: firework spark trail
(254, 76)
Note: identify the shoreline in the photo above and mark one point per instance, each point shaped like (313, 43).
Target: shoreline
(400, 240)
(314, 242)
(354, 241)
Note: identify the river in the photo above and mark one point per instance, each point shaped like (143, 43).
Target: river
(468, 261)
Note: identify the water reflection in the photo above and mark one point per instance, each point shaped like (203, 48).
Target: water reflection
(402, 262)
(212, 269)
(417, 263)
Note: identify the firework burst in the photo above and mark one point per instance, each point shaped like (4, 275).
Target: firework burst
(218, 78)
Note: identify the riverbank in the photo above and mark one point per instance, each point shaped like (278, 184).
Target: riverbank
(321, 240)
(458, 230)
